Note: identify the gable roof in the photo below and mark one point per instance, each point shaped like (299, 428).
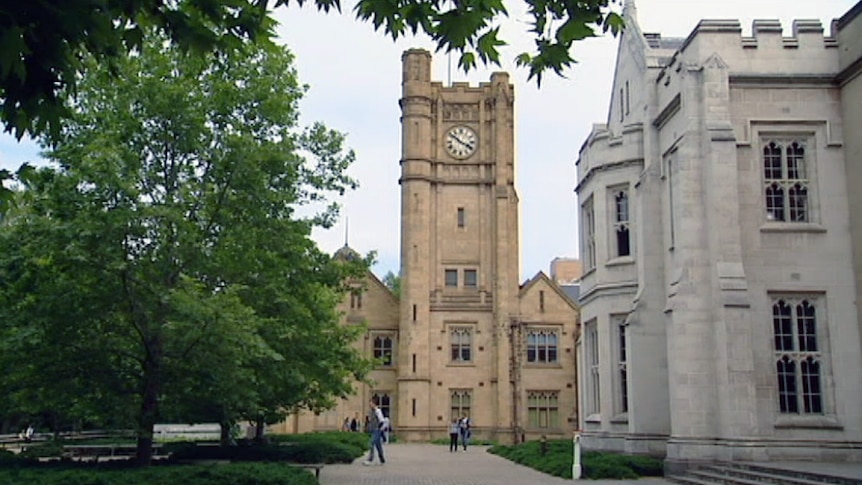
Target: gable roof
(541, 276)
(346, 253)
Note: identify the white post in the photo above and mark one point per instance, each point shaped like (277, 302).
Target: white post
(576, 458)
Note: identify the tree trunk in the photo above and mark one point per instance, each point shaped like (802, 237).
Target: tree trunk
(258, 429)
(149, 403)
(226, 426)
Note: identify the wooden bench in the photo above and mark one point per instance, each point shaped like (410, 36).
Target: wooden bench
(310, 466)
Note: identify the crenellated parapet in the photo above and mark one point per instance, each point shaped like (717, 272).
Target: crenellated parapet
(766, 50)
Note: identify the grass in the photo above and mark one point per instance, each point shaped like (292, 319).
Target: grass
(557, 461)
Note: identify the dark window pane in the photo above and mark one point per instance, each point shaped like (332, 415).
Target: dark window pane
(772, 161)
(811, 395)
(775, 202)
(795, 161)
(470, 278)
(451, 277)
(787, 394)
(806, 327)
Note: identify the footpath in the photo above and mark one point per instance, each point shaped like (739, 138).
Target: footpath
(425, 464)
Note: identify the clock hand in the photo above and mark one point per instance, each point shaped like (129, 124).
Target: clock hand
(463, 143)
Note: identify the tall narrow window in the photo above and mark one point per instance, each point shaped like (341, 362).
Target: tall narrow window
(541, 300)
(670, 205)
(470, 278)
(589, 234)
(785, 180)
(621, 223)
(451, 276)
(543, 409)
(460, 340)
(460, 402)
(797, 355)
(622, 369)
(413, 404)
(414, 312)
(414, 363)
(622, 105)
(384, 402)
(383, 349)
(460, 217)
(542, 346)
(591, 347)
(627, 97)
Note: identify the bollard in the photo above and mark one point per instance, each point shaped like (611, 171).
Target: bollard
(576, 458)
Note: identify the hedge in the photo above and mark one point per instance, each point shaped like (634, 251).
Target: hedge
(232, 474)
(557, 461)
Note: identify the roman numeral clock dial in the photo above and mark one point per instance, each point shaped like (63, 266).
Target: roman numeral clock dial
(461, 142)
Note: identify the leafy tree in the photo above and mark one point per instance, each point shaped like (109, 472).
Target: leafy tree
(42, 43)
(164, 253)
(393, 282)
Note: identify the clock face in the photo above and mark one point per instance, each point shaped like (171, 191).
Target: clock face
(461, 142)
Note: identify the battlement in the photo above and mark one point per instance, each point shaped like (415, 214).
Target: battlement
(769, 33)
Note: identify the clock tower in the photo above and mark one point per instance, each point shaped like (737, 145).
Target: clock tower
(459, 254)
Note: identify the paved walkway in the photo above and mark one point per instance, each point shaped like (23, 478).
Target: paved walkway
(424, 464)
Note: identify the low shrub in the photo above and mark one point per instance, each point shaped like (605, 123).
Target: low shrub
(557, 461)
(233, 474)
(307, 452)
(43, 449)
(358, 440)
(14, 460)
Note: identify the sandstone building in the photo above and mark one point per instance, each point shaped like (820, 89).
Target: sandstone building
(722, 245)
(463, 337)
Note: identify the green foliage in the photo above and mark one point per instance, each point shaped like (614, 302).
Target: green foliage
(393, 282)
(44, 449)
(471, 27)
(307, 452)
(44, 45)
(9, 459)
(359, 441)
(160, 269)
(228, 474)
(557, 461)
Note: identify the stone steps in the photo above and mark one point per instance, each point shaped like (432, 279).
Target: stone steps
(745, 474)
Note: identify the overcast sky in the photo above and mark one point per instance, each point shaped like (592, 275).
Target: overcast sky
(355, 79)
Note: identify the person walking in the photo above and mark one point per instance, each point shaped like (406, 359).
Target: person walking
(454, 431)
(464, 429)
(375, 426)
(354, 424)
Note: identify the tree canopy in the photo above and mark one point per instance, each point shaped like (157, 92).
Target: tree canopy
(43, 45)
(161, 265)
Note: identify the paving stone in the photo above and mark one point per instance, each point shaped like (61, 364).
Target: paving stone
(425, 464)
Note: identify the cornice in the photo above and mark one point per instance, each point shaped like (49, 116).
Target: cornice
(669, 110)
(606, 167)
(849, 72)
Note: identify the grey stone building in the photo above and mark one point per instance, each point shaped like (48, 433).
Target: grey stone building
(721, 239)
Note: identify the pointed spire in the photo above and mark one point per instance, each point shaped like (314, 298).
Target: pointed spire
(346, 230)
(630, 10)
